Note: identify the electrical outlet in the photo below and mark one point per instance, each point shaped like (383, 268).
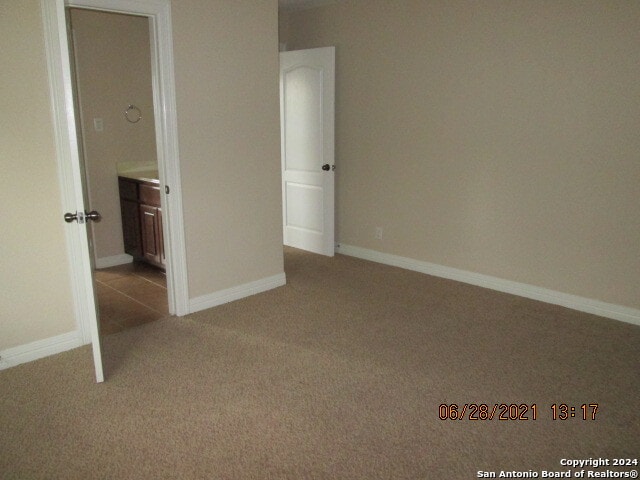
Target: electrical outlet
(98, 124)
(378, 233)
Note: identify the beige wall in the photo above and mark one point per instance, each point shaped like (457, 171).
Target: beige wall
(113, 62)
(226, 64)
(283, 25)
(35, 298)
(497, 137)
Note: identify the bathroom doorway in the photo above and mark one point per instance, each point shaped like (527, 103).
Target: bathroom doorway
(113, 90)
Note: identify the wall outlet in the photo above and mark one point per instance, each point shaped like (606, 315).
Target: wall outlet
(378, 233)
(98, 124)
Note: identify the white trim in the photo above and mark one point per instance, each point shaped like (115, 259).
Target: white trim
(582, 304)
(236, 293)
(39, 349)
(169, 160)
(114, 260)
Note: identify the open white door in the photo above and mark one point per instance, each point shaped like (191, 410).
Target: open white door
(307, 92)
(71, 177)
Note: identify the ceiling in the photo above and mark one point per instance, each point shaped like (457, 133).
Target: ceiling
(302, 4)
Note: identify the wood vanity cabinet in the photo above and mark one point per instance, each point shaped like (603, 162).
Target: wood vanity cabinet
(142, 220)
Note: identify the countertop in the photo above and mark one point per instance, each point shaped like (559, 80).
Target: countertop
(150, 176)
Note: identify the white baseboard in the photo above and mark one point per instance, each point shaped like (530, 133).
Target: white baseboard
(114, 260)
(39, 349)
(596, 307)
(236, 293)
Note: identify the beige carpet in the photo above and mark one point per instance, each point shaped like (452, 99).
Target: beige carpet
(338, 375)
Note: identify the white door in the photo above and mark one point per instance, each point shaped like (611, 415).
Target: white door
(307, 91)
(71, 177)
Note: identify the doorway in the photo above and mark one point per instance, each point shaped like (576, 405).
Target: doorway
(158, 13)
(110, 57)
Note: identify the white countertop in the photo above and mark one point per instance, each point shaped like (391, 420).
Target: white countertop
(141, 175)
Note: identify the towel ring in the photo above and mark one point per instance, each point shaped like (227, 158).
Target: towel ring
(135, 113)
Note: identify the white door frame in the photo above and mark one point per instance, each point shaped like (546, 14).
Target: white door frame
(160, 29)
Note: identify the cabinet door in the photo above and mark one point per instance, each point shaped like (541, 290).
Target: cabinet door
(131, 227)
(151, 245)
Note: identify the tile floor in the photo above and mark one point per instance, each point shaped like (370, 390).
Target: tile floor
(130, 295)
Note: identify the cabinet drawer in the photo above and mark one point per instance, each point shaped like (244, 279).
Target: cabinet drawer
(128, 189)
(150, 195)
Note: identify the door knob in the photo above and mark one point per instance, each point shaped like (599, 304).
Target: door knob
(326, 167)
(93, 215)
(81, 217)
(70, 217)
